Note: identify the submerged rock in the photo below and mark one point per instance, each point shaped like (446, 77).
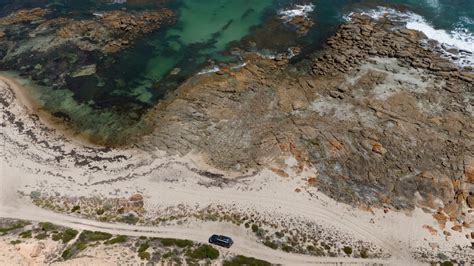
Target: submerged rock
(85, 71)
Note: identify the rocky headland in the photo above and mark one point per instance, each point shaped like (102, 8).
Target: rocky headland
(375, 120)
(384, 120)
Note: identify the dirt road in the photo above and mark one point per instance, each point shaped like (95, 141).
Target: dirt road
(245, 244)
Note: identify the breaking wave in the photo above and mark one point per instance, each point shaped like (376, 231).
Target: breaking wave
(456, 45)
(296, 11)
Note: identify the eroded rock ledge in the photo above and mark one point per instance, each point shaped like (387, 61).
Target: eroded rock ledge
(386, 121)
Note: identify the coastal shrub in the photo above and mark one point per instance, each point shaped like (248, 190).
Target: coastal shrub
(116, 240)
(68, 235)
(144, 255)
(168, 255)
(286, 248)
(242, 260)
(35, 194)
(17, 225)
(143, 247)
(47, 226)
(364, 253)
(67, 254)
(347, 250)
(176, 242)
(75, 208)
(100, 211)
(260, 232)
(447, 263)
(26, 234)
(184, 243)
(129, 219)
(247, 225)
(41, 236)
(271, 244)
(57, 236)
(15, 242)
(87, 236)
(325, 246)
(254, 228)
(81, 246)
(279, 234)
(319, 252)
(204, 252)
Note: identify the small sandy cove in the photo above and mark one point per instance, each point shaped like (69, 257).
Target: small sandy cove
(36, 158)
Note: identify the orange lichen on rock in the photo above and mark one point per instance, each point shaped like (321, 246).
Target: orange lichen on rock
(280, 172)
(430, 229)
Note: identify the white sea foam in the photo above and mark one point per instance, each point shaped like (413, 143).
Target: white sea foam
(434, 4)
(295, 11)
(214, 69)
(241, 65)
(457, 45)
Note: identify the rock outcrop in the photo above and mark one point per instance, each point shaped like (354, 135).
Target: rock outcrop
(385, 121)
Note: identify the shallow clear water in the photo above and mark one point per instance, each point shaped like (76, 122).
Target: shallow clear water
(204, 31)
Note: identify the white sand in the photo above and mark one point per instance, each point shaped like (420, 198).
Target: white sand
(167, 181)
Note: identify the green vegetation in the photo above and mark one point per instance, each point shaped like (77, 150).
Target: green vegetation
(325, 246)
(279, 234)
(129, 219)
(242, 260)
(82, 242)
(75, 208)
(364, 253)
(347, 250)
(144, 255)
(81, 246)
(41, 236)
(26, 234)
(116, 240)
(176, 242)
(67, 254)
(69, 235)
(143, 247)
(89, 236)
(17, 225)
(271, 244)
(57, 237)
(204, 252)
(168, 255)
(14, 242)
(66, 236)
(447, 263)
(287, 248)
(47, 226)
(254, 228)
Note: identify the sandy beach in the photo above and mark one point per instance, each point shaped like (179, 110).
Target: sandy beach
(168, 182)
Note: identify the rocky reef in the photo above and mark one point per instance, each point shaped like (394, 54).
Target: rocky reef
(73, 56)
(41, 32)
(384, 120)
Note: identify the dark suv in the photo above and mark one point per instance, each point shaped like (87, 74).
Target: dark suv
(223, 241)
